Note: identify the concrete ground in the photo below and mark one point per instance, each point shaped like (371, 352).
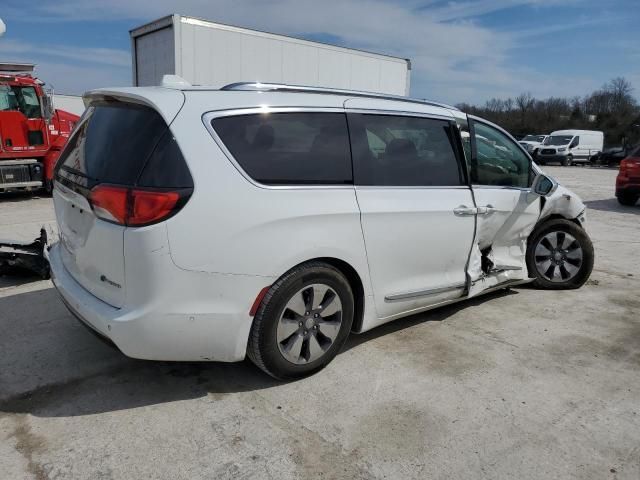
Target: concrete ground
(515, 385)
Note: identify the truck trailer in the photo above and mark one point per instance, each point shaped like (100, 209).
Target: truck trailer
(208, 53)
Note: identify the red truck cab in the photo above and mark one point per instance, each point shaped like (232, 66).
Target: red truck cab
(32, 132)
(628, 180)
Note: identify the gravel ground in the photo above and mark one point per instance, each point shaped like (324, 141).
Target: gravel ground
(518, 384)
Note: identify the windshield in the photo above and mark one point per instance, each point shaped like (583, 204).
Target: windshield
(533, 138)
(22, 99)
(558, 140)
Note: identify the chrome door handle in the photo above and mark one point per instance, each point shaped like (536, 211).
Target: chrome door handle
(486, 210)
(464, 211)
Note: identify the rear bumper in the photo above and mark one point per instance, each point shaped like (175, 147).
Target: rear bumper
(628, 189)
(170, 328)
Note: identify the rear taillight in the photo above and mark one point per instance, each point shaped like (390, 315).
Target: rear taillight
(110, 203)
(135, 207)
(628, 165)
(149, 206)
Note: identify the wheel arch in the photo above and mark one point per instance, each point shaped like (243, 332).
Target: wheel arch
(555, 216)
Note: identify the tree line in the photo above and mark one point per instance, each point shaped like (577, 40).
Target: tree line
(612, 109)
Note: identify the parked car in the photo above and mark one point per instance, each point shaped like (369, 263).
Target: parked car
(567, 147)
(532, 143)
(628, 180)
(272, 221)
(611, 157)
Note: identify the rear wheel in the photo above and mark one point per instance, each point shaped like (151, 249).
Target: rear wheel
(559, 255)
(303, 321)
(627, 199)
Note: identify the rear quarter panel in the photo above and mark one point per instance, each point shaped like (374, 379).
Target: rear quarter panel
(233, 226)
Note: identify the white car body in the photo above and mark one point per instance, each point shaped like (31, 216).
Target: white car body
(578, 146)
(183, 289)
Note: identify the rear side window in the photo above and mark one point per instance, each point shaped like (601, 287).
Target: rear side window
(124, 144)
(289, 148)
(403, 151)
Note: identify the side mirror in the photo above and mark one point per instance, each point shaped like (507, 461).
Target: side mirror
(47, 104)
(543, 185)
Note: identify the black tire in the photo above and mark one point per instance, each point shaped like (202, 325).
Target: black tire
(567, 161)
(48, 188)
(584, 242)
(627, 199)
(263, 348)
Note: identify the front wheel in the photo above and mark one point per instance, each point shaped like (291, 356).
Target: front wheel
(567, 161)
(302, 322)
(559, 255)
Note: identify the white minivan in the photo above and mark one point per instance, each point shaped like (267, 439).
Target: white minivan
(570, 146)
(273, 221)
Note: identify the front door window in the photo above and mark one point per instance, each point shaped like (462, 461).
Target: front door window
(499, 161)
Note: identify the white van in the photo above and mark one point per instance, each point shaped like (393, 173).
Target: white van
(570, 146)
(272, 220)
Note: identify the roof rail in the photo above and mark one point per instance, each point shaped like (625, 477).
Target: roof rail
(280, 87)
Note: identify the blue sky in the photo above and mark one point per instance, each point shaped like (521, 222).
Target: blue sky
(465, 50)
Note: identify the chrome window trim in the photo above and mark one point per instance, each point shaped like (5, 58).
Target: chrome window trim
(412, 187)
(423, 293)
(400, 113)
(207, 117)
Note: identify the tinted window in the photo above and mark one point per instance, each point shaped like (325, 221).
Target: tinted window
(125, 144)
(498, 160)
(113, 142)
(166, 166)
(289, 148)
(403, 151)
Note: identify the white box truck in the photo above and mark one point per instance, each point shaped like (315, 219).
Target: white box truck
(208, 53)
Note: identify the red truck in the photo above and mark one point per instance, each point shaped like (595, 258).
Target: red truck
(32, 132)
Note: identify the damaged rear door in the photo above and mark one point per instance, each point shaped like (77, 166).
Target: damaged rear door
(506, 209)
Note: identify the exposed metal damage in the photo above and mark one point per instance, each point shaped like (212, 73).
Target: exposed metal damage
(25, 257)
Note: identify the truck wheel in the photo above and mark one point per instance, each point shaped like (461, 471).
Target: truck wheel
(302, 322)
(48, 187)
(567, 161)
(559, 255)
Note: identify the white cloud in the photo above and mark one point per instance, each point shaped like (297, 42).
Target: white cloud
(104, 56)
(454, 59)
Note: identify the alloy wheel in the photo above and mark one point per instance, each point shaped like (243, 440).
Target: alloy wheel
(558, 256)
(309, 324)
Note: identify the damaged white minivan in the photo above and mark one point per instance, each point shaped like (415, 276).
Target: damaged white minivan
(273, 221)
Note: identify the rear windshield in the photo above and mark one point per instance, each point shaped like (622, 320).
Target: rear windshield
(125, 144)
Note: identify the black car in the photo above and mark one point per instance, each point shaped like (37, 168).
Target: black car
(612, 156)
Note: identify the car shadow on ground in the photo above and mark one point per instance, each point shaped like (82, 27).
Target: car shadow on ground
(18, 197)
(53, 367)
(612, 205)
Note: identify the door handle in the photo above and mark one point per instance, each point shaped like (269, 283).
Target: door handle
(486, 210)
(464, 211)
